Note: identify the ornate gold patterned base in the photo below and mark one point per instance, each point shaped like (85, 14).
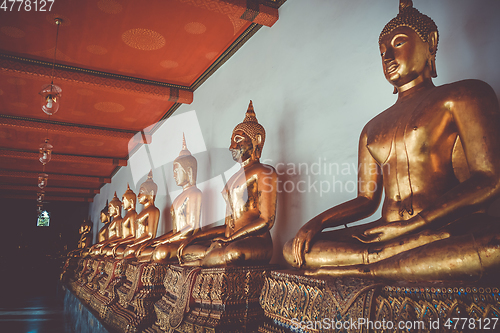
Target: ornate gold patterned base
(86, 290)
(211, 299)
(433, 307)
(293, 301)
(112, 278)
(133, 310)
(296, 303)
(82, 273)
(69, 268)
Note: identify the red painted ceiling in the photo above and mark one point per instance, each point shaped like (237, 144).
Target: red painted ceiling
(122, 65)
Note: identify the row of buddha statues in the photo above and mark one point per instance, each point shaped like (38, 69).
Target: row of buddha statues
(244, 237)
(438, 168)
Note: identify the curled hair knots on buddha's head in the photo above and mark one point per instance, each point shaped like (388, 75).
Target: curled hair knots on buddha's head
(251, 127)
(105, 209)
(187, 161)
(115, 202)
(149, 185)
(410, 17)
(129, 193)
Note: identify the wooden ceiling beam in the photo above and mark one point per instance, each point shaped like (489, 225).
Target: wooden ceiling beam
(47, 197)
(26, 67)
(55, 176)
(28, 155)
(64, 128)
(49, 189)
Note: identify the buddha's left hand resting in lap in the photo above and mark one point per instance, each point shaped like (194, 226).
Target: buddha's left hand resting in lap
(250, 197)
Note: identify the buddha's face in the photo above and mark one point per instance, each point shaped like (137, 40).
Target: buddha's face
(113, 210)
(104, 217)
(126, 202)
(144, 196)
(404, 56)
(180, 175)
(241, 146)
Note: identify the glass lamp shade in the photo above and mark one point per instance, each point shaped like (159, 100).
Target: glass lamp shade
(43, 178)
(40, 196)
(50, 98)
(45, 152)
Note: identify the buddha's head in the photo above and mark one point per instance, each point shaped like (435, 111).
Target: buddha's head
(115, 206)
(105, 214)
(148, 189)
(408, 46)
(185, 167)
(248, 138)
(129, 199)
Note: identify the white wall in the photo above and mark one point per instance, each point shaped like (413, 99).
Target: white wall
(315, 79)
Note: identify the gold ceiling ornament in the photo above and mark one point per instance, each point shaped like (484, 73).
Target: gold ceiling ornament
(143, 39)
(110, 107)
(195, 28)
(12, 32)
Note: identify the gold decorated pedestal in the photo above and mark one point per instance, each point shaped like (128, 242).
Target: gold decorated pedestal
(86, 290)
(69, 269)
(112, 278)
(297, 303)
(82, 273)
(143, 286)
(211, 299)
(437, 307)
(293, 301)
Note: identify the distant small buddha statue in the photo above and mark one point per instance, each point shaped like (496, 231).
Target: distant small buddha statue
(103, 232)
(250, 197)
(85, 232)
(126, 226)
(436, 155)
(185, 212)
(147, 220)
(114, 211)
(85, 240)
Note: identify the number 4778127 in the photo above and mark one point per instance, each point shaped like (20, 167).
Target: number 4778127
(27, 5)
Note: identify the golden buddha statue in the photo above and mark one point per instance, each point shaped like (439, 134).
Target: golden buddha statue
(126, 226)
(436, 154)
(85, 240)
(250, 197)
(147, 220)
(85, 234)
(185, 212)
(114, 211)
(103, 232)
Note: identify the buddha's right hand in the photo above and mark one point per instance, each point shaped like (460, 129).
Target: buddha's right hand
(302, 241)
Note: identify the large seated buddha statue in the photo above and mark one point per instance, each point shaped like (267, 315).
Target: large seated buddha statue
(250, 197)
(185, 212)
(127, 225)
(146, 222)
(436, 151)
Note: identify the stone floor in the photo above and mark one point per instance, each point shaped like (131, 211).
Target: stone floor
(30, 298)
